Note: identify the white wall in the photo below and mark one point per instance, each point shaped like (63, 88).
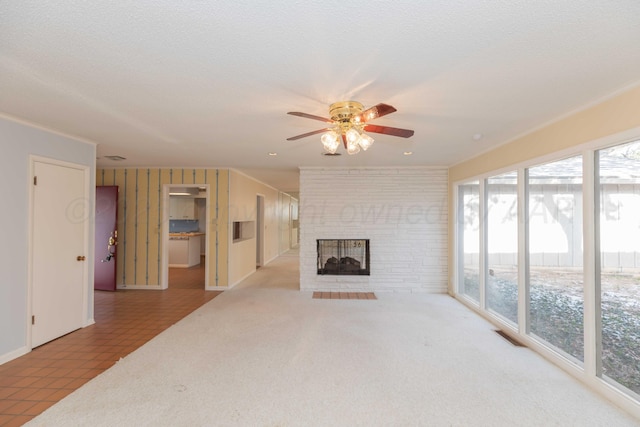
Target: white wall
(18, 142)
(403, 211)
(288, 228)
(243, 192)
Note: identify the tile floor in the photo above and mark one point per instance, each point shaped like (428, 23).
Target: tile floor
(125, 320)
(344, 295)
(188, 278)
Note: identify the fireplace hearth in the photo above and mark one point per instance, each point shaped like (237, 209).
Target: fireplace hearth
(343, 257)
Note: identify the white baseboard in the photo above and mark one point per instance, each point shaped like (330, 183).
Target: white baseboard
(241, 279)
(216, 288)
(140, 287)
(4, 358)
(271, 259)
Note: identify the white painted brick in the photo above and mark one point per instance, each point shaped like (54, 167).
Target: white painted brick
(404, 213)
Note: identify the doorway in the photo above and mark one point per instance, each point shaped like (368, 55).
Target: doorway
(259, 231)
(106, 238)
(59, 249)
(185, 236)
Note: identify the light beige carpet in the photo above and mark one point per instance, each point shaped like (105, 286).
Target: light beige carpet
(266, 354)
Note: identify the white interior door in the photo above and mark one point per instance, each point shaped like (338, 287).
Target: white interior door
(60, 212)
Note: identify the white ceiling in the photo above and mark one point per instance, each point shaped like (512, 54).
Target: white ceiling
(208, 83)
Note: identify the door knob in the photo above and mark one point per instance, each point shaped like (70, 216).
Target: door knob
(113, 240)
(111, 243)
(80, 258)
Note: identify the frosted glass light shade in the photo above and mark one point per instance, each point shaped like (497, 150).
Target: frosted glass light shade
(330, 141)
(352, 136)
(353, 147)
(365, 141)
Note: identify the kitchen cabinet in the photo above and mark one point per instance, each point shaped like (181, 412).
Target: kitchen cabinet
(182, 208)
(184, 250)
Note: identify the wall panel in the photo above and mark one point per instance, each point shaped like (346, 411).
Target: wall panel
(20, 141)
(140, 220)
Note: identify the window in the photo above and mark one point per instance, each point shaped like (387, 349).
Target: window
(469, 240)
(619, 238)
(549, 287)
(502, 245)
(555, 255)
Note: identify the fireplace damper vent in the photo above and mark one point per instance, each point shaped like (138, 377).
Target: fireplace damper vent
(343, 257)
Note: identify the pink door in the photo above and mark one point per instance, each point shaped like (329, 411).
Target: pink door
(106, 238)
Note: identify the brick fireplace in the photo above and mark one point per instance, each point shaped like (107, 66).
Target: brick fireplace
(401, 214)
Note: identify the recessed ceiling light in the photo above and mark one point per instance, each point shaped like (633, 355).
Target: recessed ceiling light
(408, 153)
(273, 154)
(478, 136)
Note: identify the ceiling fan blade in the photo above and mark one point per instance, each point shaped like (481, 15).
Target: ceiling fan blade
(304, 135)
(387, 130)
(374, 112)
(310, 116)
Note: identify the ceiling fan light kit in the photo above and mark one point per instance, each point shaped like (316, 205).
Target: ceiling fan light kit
(349, 121)
(365, 141)
(330, 141)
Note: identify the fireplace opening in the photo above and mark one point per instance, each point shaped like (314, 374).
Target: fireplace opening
(343, 257)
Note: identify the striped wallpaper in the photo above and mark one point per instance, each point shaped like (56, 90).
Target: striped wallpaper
(140, 220)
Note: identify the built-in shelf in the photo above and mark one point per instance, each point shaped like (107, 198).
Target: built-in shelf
(243, 230)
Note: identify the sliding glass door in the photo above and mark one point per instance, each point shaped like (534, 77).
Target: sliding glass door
(469, 240)
(556, 313)
(619, 240)
(502, 245)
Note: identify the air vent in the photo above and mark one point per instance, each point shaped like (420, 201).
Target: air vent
(331, 154)
(115, 158)
(509, 338)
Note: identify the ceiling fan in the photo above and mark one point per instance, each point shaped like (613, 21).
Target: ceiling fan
(349, 121)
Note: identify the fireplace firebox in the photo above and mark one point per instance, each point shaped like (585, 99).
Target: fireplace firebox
(343, 256)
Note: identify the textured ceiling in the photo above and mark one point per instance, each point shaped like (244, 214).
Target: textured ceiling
(208, 84)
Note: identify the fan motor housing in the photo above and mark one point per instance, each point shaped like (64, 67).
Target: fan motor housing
(344, 111)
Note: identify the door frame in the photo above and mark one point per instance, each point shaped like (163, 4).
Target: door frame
(87, 273)
(260, 229)
(99, 256)
(164, 254)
